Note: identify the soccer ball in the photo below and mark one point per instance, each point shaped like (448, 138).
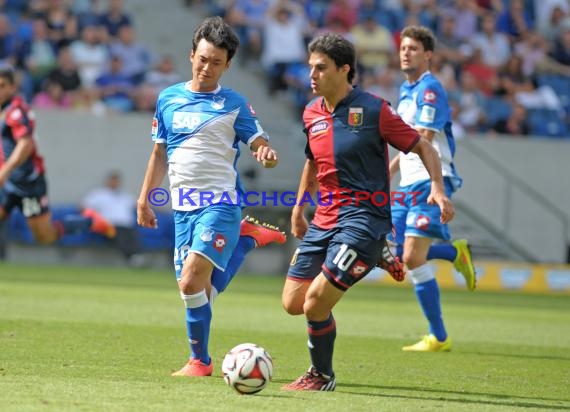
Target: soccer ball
(247, 368)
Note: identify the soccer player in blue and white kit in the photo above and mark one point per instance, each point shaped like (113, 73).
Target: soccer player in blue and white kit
(424, 106)
(197, 128)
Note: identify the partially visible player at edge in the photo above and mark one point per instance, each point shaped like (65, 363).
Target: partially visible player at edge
(22, 173)
(196, 130)
(347, 135)
(423, 105)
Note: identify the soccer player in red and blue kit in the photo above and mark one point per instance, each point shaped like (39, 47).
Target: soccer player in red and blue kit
(22, 173)
(347, 160)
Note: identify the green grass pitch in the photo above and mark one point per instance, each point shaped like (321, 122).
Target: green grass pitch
(101, 339)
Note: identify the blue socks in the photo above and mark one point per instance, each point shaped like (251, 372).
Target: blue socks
(427, 293)
(442, 251)
(198, 308)
(321, 344)
(198, 319)
(221, 279)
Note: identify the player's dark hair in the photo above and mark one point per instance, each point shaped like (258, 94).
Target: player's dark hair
(338, 49)
(217, 32)
(421, 34)
(7, 72)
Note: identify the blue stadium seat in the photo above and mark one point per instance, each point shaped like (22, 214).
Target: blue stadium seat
(151, 239)
(160, 238)
(18, 228)
(496, 109)
(560, 84)
(546, 123)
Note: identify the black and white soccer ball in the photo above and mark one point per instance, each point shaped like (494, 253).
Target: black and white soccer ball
(247, 368)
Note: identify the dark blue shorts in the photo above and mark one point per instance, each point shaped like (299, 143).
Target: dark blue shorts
(343, 255)
(31, 199)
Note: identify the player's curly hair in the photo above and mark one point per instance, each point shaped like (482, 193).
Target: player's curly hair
(337, 48)
(216, 31)
(422, 34)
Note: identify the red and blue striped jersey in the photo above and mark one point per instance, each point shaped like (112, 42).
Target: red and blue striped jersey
(18, 121)
(349, 148)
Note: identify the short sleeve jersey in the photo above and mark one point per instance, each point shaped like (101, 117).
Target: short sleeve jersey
(202, 132)
(349, 148)
(17, 121)
(424, 104)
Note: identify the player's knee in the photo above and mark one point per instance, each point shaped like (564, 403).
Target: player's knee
(292, 306)
(194, 277)
(412, 259)
(314, 310)
(421, 274)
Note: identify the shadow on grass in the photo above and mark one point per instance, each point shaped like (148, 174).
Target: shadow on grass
(518, 356)
(509, 400)
(445, 396)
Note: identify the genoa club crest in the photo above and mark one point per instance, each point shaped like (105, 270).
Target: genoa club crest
(355, 116)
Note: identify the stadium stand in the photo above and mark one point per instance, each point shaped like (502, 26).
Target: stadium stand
(154, 29)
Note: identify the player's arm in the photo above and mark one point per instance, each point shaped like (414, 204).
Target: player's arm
(394, 165)
(23, 150)
(426, 133)
(154, 175)
(430, 159)
(263, 152)
(308, 184)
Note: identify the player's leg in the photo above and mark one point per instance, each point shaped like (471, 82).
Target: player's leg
(204, 239)
(97, 223)
(306, 264)
(427, 294)
(43, 229)
(321, 297)
(195, 277)
(35, 207)
(47, 231)
(457, 252)
(422, 226)
(350, 257)
(253, 234)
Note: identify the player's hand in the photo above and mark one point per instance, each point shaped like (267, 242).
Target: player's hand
(266, 156)
(299, 224)
(437, 197)
(146, 216)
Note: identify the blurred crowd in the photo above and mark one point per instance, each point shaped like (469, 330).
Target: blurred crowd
(504, 63)
(81, 54)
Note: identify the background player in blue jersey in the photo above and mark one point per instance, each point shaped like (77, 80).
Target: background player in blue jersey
(197, 128)
(347, 161)
(22, 173)
(423, 105)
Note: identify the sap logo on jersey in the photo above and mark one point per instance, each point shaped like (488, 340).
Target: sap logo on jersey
(186, 122)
